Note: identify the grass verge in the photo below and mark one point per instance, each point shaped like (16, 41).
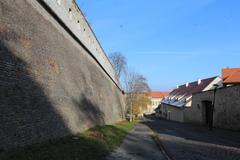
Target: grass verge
(92, 144)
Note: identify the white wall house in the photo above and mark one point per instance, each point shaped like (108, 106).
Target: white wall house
(173, 105)
(156, 98)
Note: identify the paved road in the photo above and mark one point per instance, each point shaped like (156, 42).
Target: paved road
(138, 145)
(189, 142)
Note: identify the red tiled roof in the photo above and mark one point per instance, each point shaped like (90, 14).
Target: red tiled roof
(193, 87)
(158, 94)
(231, 75)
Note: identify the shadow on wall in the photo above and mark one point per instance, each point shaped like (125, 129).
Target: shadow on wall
(123, 111)
(91, 113)
(26, 114)
(94, 144)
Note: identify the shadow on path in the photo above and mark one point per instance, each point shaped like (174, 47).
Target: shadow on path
(138, 145)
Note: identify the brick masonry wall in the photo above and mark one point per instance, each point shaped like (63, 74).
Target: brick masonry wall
(50, 86)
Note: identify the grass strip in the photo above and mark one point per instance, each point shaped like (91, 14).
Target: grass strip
(92, 144)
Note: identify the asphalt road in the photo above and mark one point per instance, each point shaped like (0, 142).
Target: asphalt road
(190, 142)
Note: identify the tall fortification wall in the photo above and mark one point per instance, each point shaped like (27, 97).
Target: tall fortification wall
(55, 79)
(71, 16)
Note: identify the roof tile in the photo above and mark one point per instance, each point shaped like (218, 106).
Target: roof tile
(231, 75)
(158, 94)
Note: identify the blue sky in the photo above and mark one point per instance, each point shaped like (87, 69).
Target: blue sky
(171, 42)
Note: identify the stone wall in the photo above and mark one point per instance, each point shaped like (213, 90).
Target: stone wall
(195, 113)
(72, 17)
(226, 112)
(50, 84)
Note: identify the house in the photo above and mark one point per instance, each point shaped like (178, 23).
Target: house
(172, 107)
(156, 98)
(219, 107)
(231, 76)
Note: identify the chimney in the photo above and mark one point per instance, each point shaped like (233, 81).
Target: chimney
(187, 84)
(177, 86)
(199, 81)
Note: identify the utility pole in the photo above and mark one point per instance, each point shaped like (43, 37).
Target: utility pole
(213, 106)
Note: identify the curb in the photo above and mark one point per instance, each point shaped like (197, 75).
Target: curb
(160, 145)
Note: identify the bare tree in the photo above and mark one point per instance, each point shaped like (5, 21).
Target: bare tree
(136, 87)
(119, 62)
(134, 84)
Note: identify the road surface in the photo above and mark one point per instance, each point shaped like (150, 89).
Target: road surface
(191, 142)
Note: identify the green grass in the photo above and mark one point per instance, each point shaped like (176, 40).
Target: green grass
(92, 144)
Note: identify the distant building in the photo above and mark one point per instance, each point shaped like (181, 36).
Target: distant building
(213, 101)
(156, 98)
(182, 95)
(172, 106)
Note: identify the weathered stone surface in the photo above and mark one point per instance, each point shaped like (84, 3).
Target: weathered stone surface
(49, 85)
(226, 113)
